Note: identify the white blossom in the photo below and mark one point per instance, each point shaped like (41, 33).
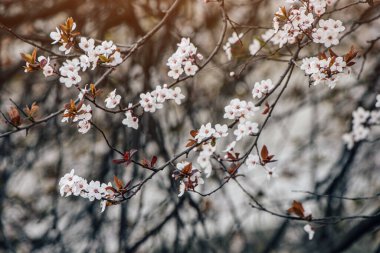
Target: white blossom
(112, 99)
(309, 230)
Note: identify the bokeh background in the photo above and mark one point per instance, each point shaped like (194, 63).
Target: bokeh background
(305, 134)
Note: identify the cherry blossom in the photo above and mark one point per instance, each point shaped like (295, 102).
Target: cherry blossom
(84, 126)
(271, 173)
(261, 88)
(328, 32)
(130, 120)
(183, 60)
(189, 179)
(176, 95)
(85, 113)
(82, 116)
(252, 161)
(325, 70)
(221, 131)
(149, 102)
(360, 116)
(56, 36)
(95, 191)
(152, 101)
(87, 45)
(289, 26)
(362, 121)
(175, 71)
(246, 128)
(69, 72)
(71, 184)
(239, 109)
(112, 99)
(162, 93)
(190, 69)
(204, 132)
(66, 183)
(309, 230)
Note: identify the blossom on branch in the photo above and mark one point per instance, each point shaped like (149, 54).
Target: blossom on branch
(184, 59)
(112, 99)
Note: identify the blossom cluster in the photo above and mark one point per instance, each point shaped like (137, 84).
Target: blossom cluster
(240, 111)
(183, 60)
(189, 177)
(105, 53)
(253, 161)
(71, 184)
(328, 32)
(47, 69)
(262, 88)
(325, 70)
(317, 6)
(207, 150)
(152, 101)
(82, 115)
(65, 35)
(362, 120)
(244, 111)
(33, 63)
(290, 26)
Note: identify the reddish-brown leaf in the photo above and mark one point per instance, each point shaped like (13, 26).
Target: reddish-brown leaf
(322, 56)
(145, 162)
(129, 154)
(118, 161)
(119, 184)
(110, 188)
(267, 108)
(297, 209)
(31, 112)
(187, 169)
(264, 153)
(283, 10)
(194, 133)
(191, 143)
(233, 168)
(231, 156)
(34, 54)
(14, 116)
(153, 161)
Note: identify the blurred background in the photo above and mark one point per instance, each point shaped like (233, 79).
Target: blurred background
(304, 132)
